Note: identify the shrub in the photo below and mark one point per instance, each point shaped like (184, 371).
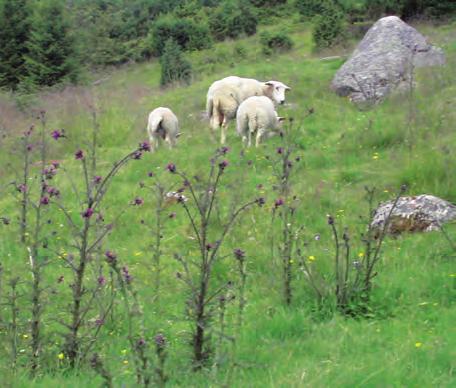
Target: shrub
(174, 67)
(310, 8)
(232, 19)
(188, 34)
(275, 42)
(328, 26)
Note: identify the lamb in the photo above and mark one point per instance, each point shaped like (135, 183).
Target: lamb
(163, 124)
(225, 96)
(256, 115)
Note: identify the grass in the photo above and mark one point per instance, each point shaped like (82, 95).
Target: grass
(409, 340)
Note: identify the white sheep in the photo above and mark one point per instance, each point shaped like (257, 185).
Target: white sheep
(225, 96)
(162, 124)
(257, 116)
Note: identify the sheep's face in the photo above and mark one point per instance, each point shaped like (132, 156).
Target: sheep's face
(278, 91)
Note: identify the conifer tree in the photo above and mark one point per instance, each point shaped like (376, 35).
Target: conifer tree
(14, 34)
(174, 67)
(51, 54)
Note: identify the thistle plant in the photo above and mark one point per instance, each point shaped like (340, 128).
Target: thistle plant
(353, 276)
(284, 226)
(88, 230)
(197, 275)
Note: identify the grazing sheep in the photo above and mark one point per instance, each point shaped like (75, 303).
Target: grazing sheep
(163, 124)
(225, 96)
(257, 115)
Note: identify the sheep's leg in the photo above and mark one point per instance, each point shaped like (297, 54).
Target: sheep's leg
(258, 137)
(171, 141)
(153, 143)
(244, 140)
(224, 128)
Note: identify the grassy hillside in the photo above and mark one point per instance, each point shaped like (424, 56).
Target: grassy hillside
(408, 339)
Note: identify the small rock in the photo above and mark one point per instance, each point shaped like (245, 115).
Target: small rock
(422, 213)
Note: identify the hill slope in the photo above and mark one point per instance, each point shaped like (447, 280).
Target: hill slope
(408, 338)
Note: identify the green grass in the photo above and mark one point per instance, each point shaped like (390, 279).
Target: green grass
(414, 295)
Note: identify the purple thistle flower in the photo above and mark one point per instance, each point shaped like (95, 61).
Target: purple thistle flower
(127, 276)
(223, 164)
(52, 191)
(29, 147)
(99, 322)
(239, 253)
(260, 201)
(298, 159)
(209, 246)
(97, 179)
(289, 164)
(60, 279)
(87, 213)
(56, 135)
(224, 150)
(249, 162)
(280, 150)
(330, 220)
(44, 200)
(150, 174)
(278, 202)
(171, 167)
(101, 280)
(137, 155)
(141, 342)
(49, 172)
(22, 188)
(160, 341)
(172, 215)
(144, 146)
(79, 154)
(137, 201)
(110, 257)
(55, 164)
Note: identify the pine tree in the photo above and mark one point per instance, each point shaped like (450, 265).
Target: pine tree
(51, 54)
(174, 67)
(14, 34)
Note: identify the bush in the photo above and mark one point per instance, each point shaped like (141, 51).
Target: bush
(174, 67)
(310, 8)
(188, 34)
(232, 19)
(328, 26)
(275, 42)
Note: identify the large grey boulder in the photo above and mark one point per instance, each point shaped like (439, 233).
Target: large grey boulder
(384, 60)
(422, 213)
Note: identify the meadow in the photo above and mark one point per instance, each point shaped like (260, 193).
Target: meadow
(405, 336)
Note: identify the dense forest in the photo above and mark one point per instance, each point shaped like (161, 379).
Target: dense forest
(46, 42)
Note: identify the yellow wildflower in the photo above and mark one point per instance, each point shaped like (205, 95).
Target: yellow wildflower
(61, 356)
(124, 351)
(125, 362)
(361, 254)
(25, 336)
(138, 253)
(311, 258)
(418, 344)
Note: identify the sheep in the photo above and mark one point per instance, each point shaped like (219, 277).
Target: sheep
(225, 96)
(257, 115)
(163, 124)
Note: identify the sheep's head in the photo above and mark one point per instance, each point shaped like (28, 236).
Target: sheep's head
(276, 91)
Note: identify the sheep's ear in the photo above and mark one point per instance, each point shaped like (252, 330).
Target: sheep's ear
(287, 87)
(280, 119)
(269, 83)
(178, 134)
